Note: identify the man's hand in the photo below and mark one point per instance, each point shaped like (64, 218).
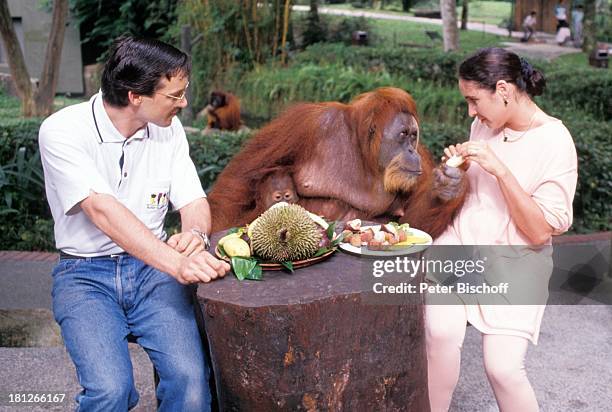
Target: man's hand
(201, 267)
(186, 243)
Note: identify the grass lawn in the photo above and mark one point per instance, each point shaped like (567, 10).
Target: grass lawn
(579, 60)
(390, 31)
(10, 107)
(491, 12)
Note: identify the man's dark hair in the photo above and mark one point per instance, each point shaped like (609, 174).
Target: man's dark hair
(137, 65)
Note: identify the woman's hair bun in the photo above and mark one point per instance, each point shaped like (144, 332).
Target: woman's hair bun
(534, 79)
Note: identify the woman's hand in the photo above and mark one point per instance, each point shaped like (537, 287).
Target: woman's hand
(453, 150)
(480, 153)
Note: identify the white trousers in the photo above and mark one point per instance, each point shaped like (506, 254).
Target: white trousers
(504, 358)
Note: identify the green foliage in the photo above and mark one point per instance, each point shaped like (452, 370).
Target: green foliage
(100, 22)
(432, 65)
(593, 139)
(586, 88)
(269, 90)
(211, 153)
(235, 36)
(25, 221)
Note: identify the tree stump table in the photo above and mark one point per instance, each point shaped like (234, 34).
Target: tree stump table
(314, 341)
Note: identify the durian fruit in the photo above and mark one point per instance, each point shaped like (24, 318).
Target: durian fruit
(285, 233)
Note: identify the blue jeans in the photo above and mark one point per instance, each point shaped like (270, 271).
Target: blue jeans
(98, 302)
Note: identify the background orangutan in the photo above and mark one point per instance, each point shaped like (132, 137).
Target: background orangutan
(222, 111)
(361, 159)
(277, 187)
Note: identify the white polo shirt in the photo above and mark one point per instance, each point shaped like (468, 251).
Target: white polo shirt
(82, 151)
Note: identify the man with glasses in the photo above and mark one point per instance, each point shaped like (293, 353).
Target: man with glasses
(113, 166)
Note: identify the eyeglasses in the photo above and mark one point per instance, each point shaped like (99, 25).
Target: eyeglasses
(178, 98)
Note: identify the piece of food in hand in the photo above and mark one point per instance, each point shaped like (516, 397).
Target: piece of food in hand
(227, 237)
(235, 246)
(455, 161)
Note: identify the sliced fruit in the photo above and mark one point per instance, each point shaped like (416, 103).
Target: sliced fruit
(354, 225)
(413, 240)
(319, 220)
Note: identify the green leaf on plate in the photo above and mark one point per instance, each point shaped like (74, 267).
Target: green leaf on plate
(321, 251)
(337, 240)
(331, 230)
(239, 230)
(243, 267)
(256, 272)
(288, 265)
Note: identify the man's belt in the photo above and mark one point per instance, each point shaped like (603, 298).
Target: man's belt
(64, 255)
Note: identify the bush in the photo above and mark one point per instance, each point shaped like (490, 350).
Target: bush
(211, 153)
(592, 205)
(269, 90)
(431, 65)
(588, 89)
(25, 219)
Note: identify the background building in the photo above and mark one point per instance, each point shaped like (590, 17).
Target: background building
(32, 22)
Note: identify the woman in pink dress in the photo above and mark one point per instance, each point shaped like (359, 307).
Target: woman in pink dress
(522, 168)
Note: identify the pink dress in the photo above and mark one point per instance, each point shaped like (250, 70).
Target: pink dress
(544, 162)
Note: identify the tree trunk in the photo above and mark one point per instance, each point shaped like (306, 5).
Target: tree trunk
(314, 9)
(50, 73)
(449, 21)
(285, 30)
(37, 102)
(589, 42)
(406, 5)
(16, 61)
(464, 14)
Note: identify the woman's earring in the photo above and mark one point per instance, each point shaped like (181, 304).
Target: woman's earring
(505, 102)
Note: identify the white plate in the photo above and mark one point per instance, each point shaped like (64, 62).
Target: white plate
(401, 250)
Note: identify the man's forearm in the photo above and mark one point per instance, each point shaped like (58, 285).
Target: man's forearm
(127, 231)
(196, 215)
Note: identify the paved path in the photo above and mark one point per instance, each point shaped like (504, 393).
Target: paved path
(546, 49)
(569, 369)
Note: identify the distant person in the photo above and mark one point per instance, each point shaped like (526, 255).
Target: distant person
(529, 26)
(561, 15)
(577, 17)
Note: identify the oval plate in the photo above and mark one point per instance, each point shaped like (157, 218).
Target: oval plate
(277, 266)
(396, 251)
